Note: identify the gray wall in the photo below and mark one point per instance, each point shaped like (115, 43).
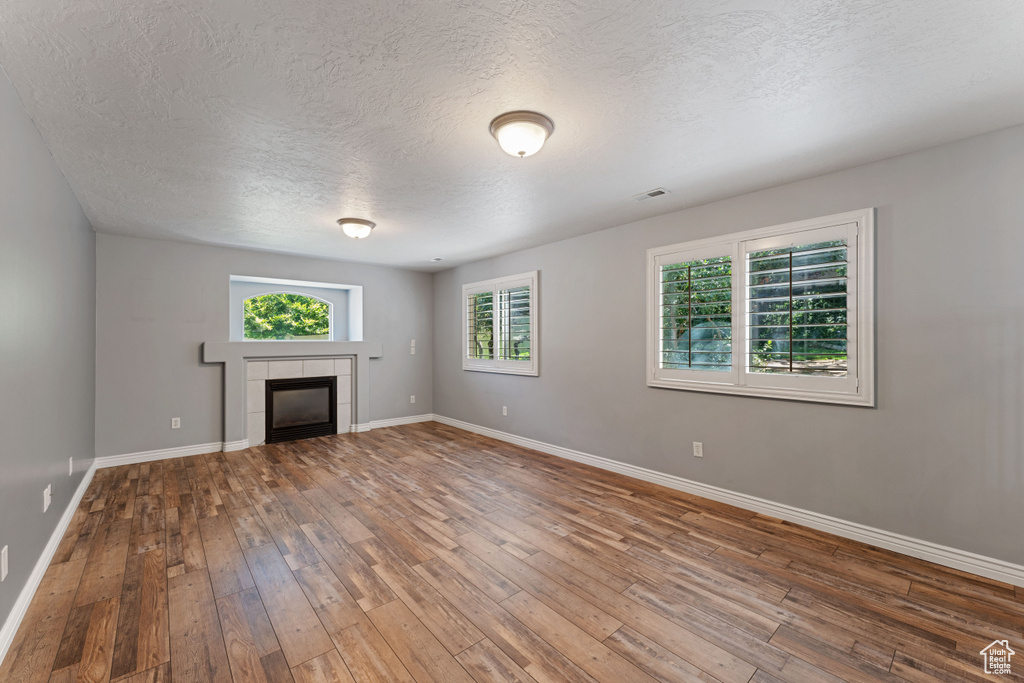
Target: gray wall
(942, 456)
(159, 300)
(47, 342)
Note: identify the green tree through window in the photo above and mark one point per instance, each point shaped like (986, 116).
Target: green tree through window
(287, 316)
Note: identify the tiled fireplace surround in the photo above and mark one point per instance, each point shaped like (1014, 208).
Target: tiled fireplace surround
(259, 371)
(247, 366)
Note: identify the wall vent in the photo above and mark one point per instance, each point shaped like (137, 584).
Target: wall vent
(650, 194)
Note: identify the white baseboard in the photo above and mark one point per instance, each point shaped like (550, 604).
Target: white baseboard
(989, 567)
(161, 454)
(396, 421)
(228, 446)
(13, 621)
(392, 422)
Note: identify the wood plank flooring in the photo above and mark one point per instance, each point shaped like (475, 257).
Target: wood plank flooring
(424, 553)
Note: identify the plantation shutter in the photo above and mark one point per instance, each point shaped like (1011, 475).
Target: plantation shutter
(500, 332)
(798, 309)
(480, 325)
(694, 314)
(800, 298)
(515, 323)
(785, 311)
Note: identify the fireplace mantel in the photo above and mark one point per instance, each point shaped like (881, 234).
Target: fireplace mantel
(234, 356)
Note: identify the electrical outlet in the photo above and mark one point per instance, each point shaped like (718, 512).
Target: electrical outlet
(412, 399)
(3, 563)
(175, 423)
(698, 449)
(71, 466)
(412, 348)
(504, 411)
(47, 497)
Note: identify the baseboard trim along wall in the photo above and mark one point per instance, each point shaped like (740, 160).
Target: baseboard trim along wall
(228, 446)
(989, 567)
(394, 422)
(21, 605)
(161, 454)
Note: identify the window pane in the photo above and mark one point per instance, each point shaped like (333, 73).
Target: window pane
(797, 311)
(515, 324)
(480, 324)
(286, 316)
(696, 315)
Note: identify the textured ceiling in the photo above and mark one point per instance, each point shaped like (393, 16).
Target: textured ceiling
(257, 123)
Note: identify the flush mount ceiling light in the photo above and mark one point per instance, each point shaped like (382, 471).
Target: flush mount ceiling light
(356, 228)
(522, 133)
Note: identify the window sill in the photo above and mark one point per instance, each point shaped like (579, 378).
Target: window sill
(529, 372)
(863, 400)
(247, 339)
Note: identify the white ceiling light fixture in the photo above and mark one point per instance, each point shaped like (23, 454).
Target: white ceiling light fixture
(356, 228)
(522, 133)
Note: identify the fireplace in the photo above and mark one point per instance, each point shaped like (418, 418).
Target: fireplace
(301, 408)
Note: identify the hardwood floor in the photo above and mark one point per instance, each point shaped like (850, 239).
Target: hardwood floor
(425, 553)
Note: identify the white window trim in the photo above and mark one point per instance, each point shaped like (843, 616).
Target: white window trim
(506, 367)
(857, 389)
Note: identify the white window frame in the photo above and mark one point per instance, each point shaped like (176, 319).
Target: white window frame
(857, 388)
(495, 286)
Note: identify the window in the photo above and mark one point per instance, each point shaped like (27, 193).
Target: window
(275, 309)
(785, 312)
(284, 315)
(500, 332)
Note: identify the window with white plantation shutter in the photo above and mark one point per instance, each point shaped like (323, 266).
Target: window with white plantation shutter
(480, 326)
(796, 303)
(515, 322)
(794, 321)
(696, 305)
(500, 333)
(695, 316)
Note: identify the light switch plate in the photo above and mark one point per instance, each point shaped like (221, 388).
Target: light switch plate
(3, 563)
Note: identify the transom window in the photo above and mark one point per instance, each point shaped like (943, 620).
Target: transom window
(784, 311)
(499, 334)
(275, 309)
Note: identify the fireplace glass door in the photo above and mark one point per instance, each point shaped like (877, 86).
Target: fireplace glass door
(301, 408)
(294, 407)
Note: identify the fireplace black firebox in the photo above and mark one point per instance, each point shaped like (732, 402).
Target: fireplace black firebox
(301, 408)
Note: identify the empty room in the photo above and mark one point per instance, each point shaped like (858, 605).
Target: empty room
(480, 341)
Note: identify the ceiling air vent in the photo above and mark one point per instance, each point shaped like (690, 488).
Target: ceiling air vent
(650, 194)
